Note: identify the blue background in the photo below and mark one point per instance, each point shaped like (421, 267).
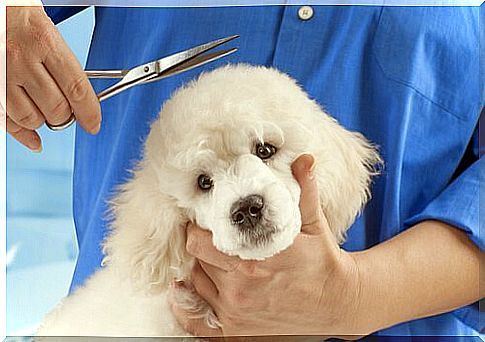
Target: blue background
(40, 229)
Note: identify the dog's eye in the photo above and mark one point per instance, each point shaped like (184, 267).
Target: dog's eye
(265, 151)
(205, 182)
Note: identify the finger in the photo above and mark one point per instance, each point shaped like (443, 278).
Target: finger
(311, 212)
(44, 91)
(199, 245)
(195, 326)
(24, 136)
(204, 285)
(22, 110)
(216, 274)
(74, 84)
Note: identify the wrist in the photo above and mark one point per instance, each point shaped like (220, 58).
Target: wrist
(372, 305)
(355, 318)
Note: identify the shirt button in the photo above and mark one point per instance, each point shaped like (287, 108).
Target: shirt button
(305, 12)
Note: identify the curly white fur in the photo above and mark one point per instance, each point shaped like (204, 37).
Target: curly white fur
(211, 126)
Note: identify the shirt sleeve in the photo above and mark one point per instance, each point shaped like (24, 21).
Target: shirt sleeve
(459, 205)
(60, 13)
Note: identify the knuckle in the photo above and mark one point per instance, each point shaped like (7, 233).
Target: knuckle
(30, 120)
(77, 89)
(43, 35)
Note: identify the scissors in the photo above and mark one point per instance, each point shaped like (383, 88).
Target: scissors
(154, 71)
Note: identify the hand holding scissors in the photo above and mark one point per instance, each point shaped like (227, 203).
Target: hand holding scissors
(46, 84)
(154, 71)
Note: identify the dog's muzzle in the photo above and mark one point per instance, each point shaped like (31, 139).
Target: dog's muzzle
(247, 212)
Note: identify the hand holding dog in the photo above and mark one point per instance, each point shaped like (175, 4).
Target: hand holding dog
(310, 288)
(314, 287)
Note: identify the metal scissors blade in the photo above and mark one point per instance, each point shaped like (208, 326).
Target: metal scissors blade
(155, 71)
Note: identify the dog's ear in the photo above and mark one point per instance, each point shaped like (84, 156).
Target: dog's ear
(147, 241)
(344, 170)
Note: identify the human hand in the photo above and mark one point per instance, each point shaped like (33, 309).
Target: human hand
(45, 82)
(312, 287)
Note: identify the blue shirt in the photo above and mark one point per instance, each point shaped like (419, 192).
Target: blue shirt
(407, 78)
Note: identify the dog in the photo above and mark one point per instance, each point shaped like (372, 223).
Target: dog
(220, 155)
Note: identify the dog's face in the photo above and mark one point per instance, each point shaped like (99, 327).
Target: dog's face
(236, 181)
(220, 155)
(223, 148)
(225, 157)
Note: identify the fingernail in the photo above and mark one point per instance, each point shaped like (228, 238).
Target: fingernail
(310, 164)
(96, 129)
(37, 150)
(35, 144)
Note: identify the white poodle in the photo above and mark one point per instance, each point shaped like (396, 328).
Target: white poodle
(220, 155)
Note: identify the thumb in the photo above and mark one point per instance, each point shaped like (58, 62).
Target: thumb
(311, 212)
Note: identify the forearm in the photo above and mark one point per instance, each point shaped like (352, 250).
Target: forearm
(429, 269)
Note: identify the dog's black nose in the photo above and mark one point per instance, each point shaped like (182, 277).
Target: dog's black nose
(247, 211)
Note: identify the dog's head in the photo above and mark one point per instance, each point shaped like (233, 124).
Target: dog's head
(220, 155)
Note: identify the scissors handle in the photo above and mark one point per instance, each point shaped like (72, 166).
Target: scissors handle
(62, 126)
(106, 93)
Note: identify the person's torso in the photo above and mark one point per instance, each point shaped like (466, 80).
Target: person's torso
(401, 76)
